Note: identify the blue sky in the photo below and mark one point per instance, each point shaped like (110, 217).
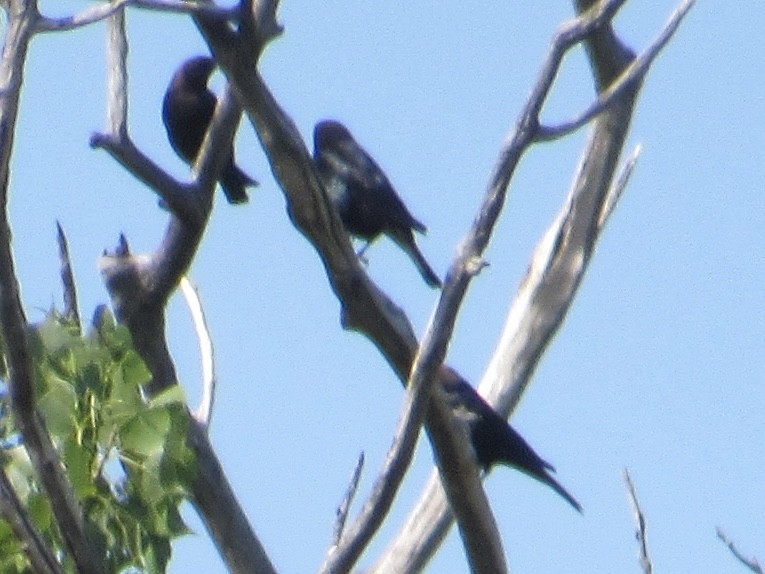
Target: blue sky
(658, 367)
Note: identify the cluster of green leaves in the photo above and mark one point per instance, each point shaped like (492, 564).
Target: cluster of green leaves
(127, 458)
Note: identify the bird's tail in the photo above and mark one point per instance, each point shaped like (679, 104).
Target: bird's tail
(519, 454)
(405, 240)
(417, 225)
(545, 477)
(234, 183)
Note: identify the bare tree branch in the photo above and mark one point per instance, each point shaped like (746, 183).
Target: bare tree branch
(557, 265)
(636, 71)
(71, 310)
(211, 492)
(345, 504)
(203, 414)
(103, 11)
(463, 268)
(364, 307)
(186, 202)
(645, 559)
(14, 513)
(182, 199)
(19, 28)
(140, 286)
(750, 563)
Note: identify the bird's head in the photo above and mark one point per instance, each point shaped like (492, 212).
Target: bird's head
(196, 71)
(330, 133)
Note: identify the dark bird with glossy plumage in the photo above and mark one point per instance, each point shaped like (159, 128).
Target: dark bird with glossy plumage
(187, 111)
(365, 200)
(494, 440)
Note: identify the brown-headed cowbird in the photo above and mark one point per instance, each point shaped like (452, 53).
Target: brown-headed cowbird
(187, 110)
(494, 440)
(366, 201)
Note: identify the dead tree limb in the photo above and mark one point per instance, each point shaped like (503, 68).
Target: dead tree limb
(140, 286)
(19, 30)
(559, 261)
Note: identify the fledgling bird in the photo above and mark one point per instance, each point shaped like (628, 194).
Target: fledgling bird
(494, 440)
(187, 111)
(366, 201)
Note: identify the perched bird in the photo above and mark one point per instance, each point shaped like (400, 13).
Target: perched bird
(365, 199)
(187, 110)
(494, 440)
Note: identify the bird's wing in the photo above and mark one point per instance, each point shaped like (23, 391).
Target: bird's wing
(351, 162)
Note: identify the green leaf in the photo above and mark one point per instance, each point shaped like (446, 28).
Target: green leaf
(173, 395)
(40, 511)
(58, 406)
(56, 335)
(135, 374)
(79, 462)
(144, 434)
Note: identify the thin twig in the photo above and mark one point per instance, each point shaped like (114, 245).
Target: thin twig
(635, 72)
(71, 310)
(103, 11)
(203, 414)
(183, 200)
(345, 505)
(11, 508)
(117, 75)
(640, 530)
(566, 37)
(180, 198)
(750, 563)
(345, 552)
(618, 186)
(190, 203)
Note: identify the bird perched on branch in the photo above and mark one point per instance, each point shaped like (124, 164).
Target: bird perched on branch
(494, 441)
(187, 111)
(366, 201)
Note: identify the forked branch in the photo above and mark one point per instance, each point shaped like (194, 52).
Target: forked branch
(140, 286)
(558, 263)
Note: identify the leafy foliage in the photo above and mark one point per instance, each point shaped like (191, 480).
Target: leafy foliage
(127, 459)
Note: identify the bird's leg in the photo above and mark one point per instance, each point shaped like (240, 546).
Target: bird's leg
(360, 253)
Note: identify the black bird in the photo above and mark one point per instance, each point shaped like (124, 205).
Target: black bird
(494, 440)
(366, 201)
(187, 110)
